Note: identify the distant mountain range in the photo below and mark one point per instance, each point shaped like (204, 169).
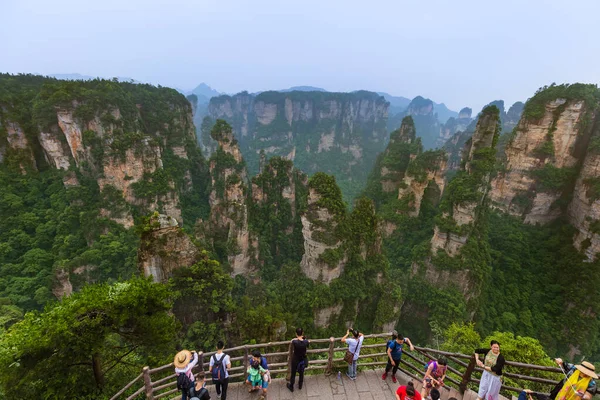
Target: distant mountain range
(398, 104)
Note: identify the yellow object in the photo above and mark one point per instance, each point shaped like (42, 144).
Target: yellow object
(573, 386)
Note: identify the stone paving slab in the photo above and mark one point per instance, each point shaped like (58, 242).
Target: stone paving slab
(367, 386)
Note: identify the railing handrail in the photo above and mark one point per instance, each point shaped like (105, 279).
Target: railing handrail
(327, 364)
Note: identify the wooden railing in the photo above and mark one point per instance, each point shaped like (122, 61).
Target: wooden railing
(161, 382)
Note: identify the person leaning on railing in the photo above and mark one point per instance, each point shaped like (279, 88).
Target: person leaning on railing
(299, 360)
(184, 361)
(582, 386)
(354, 345)
(490, 384)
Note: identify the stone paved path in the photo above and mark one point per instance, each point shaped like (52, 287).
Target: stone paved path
(368, 386)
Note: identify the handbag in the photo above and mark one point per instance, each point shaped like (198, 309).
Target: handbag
(349, 356)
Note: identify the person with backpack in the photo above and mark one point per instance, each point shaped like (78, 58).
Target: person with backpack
(184, 361)
(394, 352)
(262, 361)
(219, 364)
(407, 392)
(299, 360)
(435, 374)
(198, 391)
(354, 345)
(489, 386)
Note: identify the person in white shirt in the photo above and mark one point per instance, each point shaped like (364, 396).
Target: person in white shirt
(354, 345)
(220, 363)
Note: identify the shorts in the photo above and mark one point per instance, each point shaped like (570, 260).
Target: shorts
(265, 383)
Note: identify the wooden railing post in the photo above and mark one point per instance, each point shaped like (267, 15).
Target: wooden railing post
(201, 363)
(329, 369)
(148, 383)
(246, 359)
(466, 378)
(288, 375)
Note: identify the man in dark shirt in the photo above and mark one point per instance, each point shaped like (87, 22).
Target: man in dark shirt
(299, 360)
(198, 390)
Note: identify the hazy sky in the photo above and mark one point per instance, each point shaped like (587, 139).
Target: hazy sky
(462, 53)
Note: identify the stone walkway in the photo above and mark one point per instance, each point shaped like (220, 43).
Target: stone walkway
(368, 386)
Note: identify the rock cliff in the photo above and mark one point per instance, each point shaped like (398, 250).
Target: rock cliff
(164, 247)
(227, 226)
(337, 133)
(137, 142)
(468, 190)
(549, 169)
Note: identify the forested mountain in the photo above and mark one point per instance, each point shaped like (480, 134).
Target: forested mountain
(103, 182)
(512, 230)
(336, 133)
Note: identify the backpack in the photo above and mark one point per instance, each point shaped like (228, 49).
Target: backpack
(218, 371)
(184, 382)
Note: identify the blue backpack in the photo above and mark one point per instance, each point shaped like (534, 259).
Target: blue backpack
(218, 371)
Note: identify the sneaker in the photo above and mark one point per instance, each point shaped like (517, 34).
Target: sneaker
(290, 387)
(300, 386)
(384, 376)
(218, 396)
(394, 379)
(348, 375)
(262, 397)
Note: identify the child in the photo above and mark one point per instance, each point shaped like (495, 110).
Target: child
(255, 375)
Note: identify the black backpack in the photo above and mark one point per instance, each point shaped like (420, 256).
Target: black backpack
(192, 393)
(218, 371)
(184, 382)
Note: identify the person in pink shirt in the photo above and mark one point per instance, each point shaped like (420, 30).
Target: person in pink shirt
(184, 361)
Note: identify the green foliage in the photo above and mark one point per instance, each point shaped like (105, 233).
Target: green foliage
(552, 179)
(330, 193)
(428, 161)
(89, 342)
(593, 188)
(203, 300)
(535, 107)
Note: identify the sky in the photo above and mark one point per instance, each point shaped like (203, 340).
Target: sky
(461, 53)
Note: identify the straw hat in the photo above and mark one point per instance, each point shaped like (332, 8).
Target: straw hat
(588, 369)
(182, 359)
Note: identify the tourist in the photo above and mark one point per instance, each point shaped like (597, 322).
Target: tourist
(394, 352)
(219, 365)
(407, 392)
(586, 373)
(299, 360)
(255, 375)
(435, 394)
(262, 361)
(184, 361)
(434, 376)
(354, 345)
(199, 390)
(489, 386)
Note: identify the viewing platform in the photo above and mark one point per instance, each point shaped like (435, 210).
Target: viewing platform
(321, 379)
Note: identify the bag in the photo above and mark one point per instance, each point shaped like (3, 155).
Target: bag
(184, 382)
(193, 396)
(349, 357)
(301, 366)
(218, 371)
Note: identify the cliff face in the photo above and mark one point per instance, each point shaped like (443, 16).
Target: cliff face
(228, 219)
(455, 125)
(468, 190)
(337, 133)
(322, 225)
(539, 150)
(112, 133)
(165, 247)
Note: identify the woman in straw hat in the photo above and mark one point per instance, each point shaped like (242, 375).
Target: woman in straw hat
(184, 361)
(580, 380)
(585, 369)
